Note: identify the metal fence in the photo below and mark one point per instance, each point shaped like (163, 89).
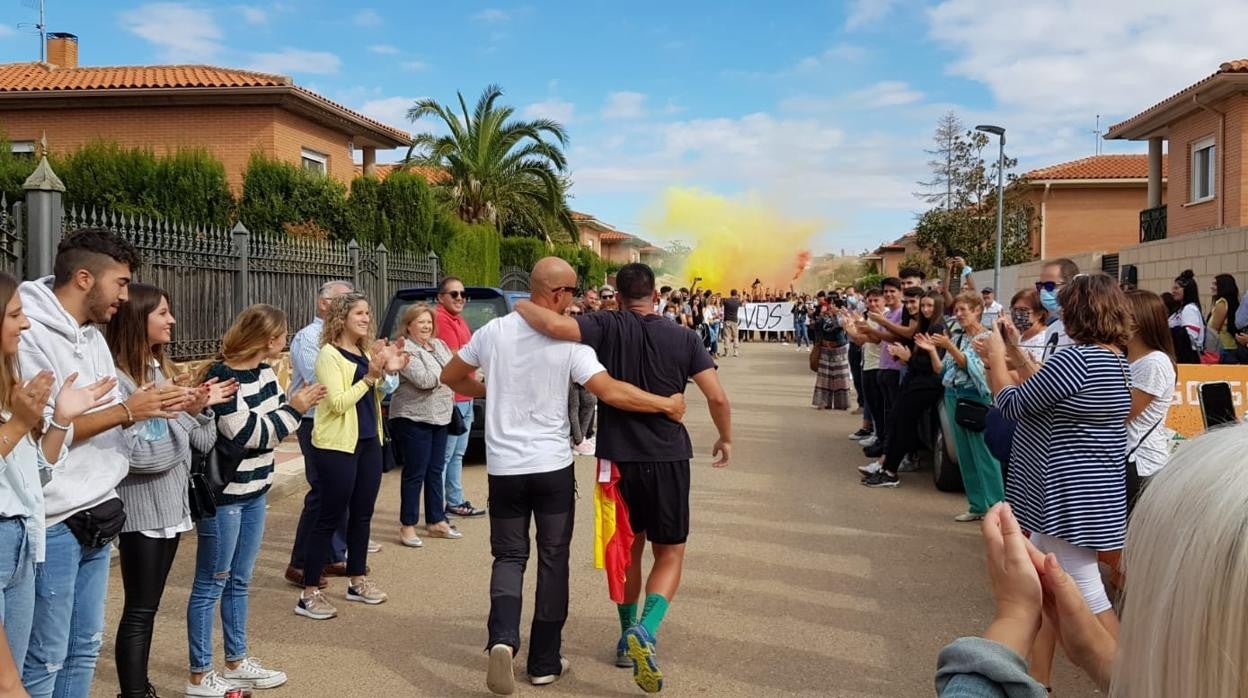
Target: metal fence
(211, 272)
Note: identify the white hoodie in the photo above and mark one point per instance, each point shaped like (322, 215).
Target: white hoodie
(55, 341)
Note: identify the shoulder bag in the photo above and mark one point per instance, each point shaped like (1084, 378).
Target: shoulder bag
(98, 526)
(457, 427)
(1135, 482)
(969, 414)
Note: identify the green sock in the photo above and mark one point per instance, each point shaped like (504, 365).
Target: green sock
(628, 615)
(652, 614)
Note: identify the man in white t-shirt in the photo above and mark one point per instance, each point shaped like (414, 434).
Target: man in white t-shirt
(529, 464)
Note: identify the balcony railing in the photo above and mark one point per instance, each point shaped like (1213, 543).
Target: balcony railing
(1153, 224)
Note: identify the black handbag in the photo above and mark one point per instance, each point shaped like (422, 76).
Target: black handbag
(971, 415)
(98, 526)
(199, 495)
(219, 464)
(457, 427)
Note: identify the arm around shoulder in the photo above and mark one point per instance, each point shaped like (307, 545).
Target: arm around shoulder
(548, 322)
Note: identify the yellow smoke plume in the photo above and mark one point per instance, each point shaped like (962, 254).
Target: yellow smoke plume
(734, 241)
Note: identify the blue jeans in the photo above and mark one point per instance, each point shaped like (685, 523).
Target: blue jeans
(17, 578)
(456, 446)
(424, 459)
(71, 587)
(714, 328)
(799, 328)
(228, 546)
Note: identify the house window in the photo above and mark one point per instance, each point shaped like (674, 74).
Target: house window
(1204, 159)
(23, 149)
(314, 161)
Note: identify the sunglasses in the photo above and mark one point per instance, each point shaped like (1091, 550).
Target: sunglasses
(456, 294)
(608, 296)
(567, 289)
(1049, 286)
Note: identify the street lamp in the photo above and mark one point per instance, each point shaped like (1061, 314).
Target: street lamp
(1000, 133)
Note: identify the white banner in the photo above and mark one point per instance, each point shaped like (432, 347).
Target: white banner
(767, 317)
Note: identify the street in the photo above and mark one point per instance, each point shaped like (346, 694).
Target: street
(797, 579)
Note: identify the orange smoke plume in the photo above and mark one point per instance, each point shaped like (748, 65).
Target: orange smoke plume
(803, 263)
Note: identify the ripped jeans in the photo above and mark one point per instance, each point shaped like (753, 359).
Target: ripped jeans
(71, 586)
(226, 555)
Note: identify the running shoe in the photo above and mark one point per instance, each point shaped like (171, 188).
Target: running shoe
(500, 676)
(968, 517)
(882, 479)
(859, 435)
(546, 680)
(465, 510)
(908, 464)
(870, 468)
(316, 607)
(868, 441)
(641, 651)
(366, 591)
(250, 674)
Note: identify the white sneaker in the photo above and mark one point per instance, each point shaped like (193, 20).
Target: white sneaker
(907, 465)
(211, 686)
(870, 468)
(564, 667)
(250, 674)
(869, 441)
(373, 547)
(500, 677)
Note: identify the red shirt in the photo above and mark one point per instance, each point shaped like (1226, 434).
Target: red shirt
(454, 330)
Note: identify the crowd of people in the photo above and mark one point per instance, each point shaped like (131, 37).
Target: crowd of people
(103, 441)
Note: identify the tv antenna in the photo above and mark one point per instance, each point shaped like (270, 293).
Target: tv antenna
(1096, 134)
(41, 26)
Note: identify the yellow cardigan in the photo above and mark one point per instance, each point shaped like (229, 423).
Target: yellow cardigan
(335, 427)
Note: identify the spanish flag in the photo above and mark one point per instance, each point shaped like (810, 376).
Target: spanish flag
(613, 535)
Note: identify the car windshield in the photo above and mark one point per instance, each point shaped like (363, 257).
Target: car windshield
(477, 311)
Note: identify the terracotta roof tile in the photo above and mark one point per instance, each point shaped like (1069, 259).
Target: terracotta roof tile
(1238, 66)
(37, 77)
(614, 236)
(432, 175)
(1099, 167)
(578, 216)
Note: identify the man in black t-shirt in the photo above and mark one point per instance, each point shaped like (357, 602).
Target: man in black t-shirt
(639, 346)
(732, 310)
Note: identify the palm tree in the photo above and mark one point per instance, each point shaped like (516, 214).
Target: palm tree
(506, 172)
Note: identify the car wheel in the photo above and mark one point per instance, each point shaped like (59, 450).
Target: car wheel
(945, 471)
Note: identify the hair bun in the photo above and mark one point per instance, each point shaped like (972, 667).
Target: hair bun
(1187, 274)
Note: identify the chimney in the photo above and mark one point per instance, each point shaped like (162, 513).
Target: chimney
(63, 50)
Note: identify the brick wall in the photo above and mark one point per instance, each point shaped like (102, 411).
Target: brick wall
(232, 133)
(1021, 276)
(1184, 218)
(1206, 253)
(1079, 220)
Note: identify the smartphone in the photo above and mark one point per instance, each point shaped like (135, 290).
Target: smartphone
(1217, 404)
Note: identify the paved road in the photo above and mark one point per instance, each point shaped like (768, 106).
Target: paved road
(798, 580)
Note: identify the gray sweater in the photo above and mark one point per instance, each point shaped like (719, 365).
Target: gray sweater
(421, 396)
(155, 490)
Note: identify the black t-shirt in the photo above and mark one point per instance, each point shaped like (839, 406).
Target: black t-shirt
(656, 355)
(731, 306)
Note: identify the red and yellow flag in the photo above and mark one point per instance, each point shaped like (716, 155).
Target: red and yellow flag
(613, 535)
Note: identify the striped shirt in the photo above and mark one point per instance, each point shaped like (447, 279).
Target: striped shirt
(1067, 476)
(257, 419)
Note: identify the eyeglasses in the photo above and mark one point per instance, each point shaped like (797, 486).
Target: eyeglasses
(607, 296)
(456, 294)
(567, 289)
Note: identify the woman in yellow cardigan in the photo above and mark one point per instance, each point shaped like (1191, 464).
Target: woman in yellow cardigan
(346, 446)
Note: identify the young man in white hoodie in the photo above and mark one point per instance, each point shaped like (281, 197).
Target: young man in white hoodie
(91, 272)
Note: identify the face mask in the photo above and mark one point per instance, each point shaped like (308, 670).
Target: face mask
(1022, 319)
(1049, 300)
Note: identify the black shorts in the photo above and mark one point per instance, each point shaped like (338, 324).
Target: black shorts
(657, 495)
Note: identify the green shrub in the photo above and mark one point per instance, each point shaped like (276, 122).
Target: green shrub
(276, 193)
(368, 225)
(591, 270)
(869, 281)
(472, 251)
(193, 188)
(522, 252)
(105, 176)
(408, 208)
(14, 170)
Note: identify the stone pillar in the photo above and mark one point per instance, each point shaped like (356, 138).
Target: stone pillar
(242, 272)
(1154, 172)
(370, 161)
(44, 214)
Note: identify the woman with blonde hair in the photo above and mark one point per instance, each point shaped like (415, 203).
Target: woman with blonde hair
(1184, 608)
(420, 414)
(356, 372)
(256, 420)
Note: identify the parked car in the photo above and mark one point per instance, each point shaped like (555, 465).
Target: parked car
(938, 449)
(484, 304)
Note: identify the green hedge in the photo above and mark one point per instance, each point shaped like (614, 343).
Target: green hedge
(472, 251)
(522, 252)
(869, 281)
(591, 270)
(277, 193)
(14, 170)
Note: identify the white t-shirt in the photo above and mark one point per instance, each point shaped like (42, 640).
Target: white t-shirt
(1154, 374)
(1190, 319)
(1055, 339)
(1034, 345)
(710, 314)
(526, 410)
(871, 351)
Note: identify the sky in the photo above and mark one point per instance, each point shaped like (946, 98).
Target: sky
(821, 109)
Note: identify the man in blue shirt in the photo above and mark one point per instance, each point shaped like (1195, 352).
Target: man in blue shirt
(303, 351)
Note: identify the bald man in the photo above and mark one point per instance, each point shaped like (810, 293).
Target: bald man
(529, 464)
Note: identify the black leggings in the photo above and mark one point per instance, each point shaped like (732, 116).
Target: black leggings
(903, 433)
(145, 564)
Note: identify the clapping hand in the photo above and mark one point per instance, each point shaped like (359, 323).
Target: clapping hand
(875, 317)
(306, 397)
(30, 398)
(220, 392)
(994, 342)
(900, 352)
(1013, 564)
(397, 358)
(71, 403)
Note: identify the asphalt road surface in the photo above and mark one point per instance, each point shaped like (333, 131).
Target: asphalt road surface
(797, 581)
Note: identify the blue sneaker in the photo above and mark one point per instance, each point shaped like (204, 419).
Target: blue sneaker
(621, 654)
(641, 651)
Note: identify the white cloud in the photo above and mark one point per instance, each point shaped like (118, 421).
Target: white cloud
(553, 108)
(414, 66)
(889, 93)
(624, 105)
(492, 14)
(384, 49)
(863, 13)
(181, 33)
(389, 110)
(296, 60)
(253, 15)
(6, 30)
(367, 18)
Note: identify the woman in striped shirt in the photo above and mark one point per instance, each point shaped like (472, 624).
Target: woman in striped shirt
(1067, 478)
(257, 420)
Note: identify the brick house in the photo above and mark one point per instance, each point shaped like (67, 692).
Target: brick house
(887, 257)
(614, 245)
(1088, 205)
(232, 113)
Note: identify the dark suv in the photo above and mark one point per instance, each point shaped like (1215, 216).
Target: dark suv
(484, 304)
